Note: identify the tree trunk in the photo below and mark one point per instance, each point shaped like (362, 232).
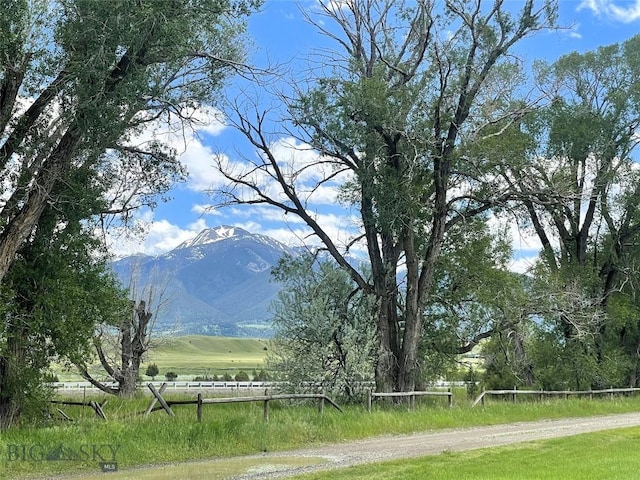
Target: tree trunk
(10, 376)
(9, 409)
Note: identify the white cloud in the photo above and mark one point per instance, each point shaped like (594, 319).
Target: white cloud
(522, 265)
(185, 139)
(160, 237)
(199, 161)
(574, 32)
(628, 13)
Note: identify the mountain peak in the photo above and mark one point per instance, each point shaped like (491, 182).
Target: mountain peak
(211, 235)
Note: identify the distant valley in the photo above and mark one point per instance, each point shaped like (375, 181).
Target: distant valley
(219, 283)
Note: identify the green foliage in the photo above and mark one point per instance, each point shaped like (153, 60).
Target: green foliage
(56, 292)
(98, 74)
(324, 328)
(397, 120)
(472, 379)
(171, 376)
(152, 371)
(242, 376)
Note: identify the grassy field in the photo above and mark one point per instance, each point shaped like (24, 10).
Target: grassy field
(238, 429)
(200, 355)
(197, 355)
(602, 455)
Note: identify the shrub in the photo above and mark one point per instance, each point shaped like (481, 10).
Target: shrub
(242, 376)
(152, 371)
(171, 376)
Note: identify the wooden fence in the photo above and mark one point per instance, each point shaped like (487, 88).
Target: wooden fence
(371, 395)
(97, 407)
(542, 394)
(199, 401)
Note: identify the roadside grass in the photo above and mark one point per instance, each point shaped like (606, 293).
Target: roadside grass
(601, 455)
(238, 429)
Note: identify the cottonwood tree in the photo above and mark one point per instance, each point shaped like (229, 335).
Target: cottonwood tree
(122, 344)
(54, 294)
(389, 115)
(80, 81)
(580, 186)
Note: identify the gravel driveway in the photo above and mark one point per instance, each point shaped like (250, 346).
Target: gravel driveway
(294, 462)
(421, 444)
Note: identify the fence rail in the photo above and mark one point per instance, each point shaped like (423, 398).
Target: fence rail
(541, 394)
(371, 395)
(172, 385)
(214, 385)
(199, 402)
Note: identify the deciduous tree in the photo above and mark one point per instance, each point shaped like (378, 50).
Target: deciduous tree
(410, 87)
(324, 328)
(80, 81)
(579, 188)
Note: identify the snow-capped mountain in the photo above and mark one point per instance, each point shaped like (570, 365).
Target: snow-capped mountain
(217, 283)
(211, 235)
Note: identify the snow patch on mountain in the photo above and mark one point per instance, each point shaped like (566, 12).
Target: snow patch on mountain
(212, 235)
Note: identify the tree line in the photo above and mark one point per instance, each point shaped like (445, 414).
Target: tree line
(436, 134)
(425, 120)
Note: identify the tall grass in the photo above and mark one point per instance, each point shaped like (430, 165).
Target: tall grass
(237, 429)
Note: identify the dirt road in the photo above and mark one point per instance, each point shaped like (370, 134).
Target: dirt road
(286, 464)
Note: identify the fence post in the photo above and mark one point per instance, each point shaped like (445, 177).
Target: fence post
(154, 400)
(514, 394)
(450, 397)
(162, 401)
(266, 410)
(321, 402)
(369, 399)
(199, 407)
(412, 402)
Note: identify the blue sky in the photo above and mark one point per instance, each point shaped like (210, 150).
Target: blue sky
(279, 34)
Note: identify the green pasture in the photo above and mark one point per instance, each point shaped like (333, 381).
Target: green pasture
(194, 355)
(610, 454)
(202, 355)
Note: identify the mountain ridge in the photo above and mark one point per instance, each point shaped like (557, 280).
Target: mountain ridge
(218, 283)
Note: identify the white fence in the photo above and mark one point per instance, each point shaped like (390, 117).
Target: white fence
(172, 385)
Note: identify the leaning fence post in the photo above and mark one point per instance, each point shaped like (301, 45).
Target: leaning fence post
(199, 407)
(98, 409)
(154, 400)
(162, 401)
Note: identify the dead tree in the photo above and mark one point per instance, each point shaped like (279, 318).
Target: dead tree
(133, 340)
